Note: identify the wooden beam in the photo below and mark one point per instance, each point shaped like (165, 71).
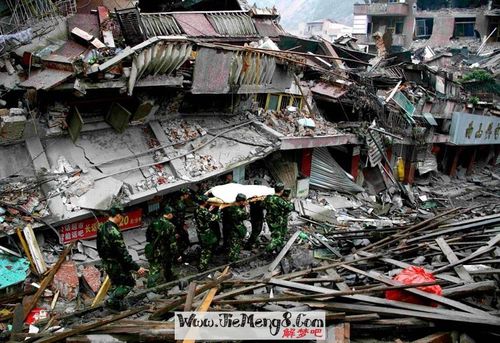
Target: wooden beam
(430, 296)
(87, 327)
(452, 258)
(188, 305)
(207, 301)
(481, 251)
(178, 302)
(469, 289)
(334, 306)
(47, 280)
(282, 254)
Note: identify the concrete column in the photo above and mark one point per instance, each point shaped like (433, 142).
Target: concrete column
(306, 162)
(472, 161)
(454, 162)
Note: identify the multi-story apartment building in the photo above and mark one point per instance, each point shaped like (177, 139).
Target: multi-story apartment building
(401, 22)
(324, 28)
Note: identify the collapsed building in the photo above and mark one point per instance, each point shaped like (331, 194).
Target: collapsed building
(137, 102)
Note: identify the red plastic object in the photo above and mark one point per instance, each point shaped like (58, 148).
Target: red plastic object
(36, 314)
(410, 276)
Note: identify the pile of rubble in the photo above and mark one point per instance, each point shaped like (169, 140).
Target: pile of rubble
(293, 122)
(379, 266)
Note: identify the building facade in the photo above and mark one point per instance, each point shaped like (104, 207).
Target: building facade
(403, 23)
(325, 28)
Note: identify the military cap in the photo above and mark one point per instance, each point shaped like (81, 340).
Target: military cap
(185, 190)
(201, 199)
(115, 209)
(279, 187)
(287, 192)
(168, 210)
(241, 197)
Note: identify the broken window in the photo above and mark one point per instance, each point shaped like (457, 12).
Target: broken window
(464, 27)
(273, 102)
(277, 102)
(396, 24)
(424, 27)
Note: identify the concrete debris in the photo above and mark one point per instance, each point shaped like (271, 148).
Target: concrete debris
(66, 281)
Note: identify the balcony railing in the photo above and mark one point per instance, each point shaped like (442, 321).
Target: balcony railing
(382, 9)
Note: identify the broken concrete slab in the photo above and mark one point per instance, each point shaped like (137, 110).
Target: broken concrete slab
(66, 281)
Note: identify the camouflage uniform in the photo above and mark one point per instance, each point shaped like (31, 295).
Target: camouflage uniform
(257, 220)
(116, 261)
(179, 221)
(160, 251)
(236, 216)
(278, 210)
(209, 238)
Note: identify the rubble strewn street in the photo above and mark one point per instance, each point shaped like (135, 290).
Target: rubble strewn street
(163, 158)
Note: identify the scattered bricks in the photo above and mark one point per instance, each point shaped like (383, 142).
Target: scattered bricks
(92, 277)
(66, 281)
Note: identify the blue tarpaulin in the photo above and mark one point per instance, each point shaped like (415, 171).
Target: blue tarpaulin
(12, 270)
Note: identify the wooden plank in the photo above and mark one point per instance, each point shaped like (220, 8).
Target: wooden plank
(34, 248)
(481, 251)
(452, 258)
(434, 297)
(87, 327)
(102, 292)
(470, 288)
(207, 301)
(189, 297)
(401, 264)
(282, 254)
(335, 293)
(334, 306)
(178, 302)
(47, 280)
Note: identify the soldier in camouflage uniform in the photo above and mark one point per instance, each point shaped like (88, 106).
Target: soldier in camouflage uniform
(179, 220)
(237, 230)
(161, 249)
(206, 223)
(275, 208)
(116, 259)
(256, 218)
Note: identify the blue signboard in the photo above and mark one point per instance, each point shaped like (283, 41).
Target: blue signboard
(473, 129)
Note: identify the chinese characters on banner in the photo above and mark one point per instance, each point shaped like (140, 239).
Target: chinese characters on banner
(87, 229)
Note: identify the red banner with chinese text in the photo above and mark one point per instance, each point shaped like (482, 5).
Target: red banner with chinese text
(87, 229)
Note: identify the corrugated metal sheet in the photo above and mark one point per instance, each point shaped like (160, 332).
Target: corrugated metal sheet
(232, 23)
(219, 71)
(210, 77)
(373, 152)
(195, 24)
(267, 27)
(159, 24)
(162, 58)
(326, 173)
(249, 68)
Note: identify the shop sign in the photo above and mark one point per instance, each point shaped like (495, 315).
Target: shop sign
(472, 129)
(87, 229)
